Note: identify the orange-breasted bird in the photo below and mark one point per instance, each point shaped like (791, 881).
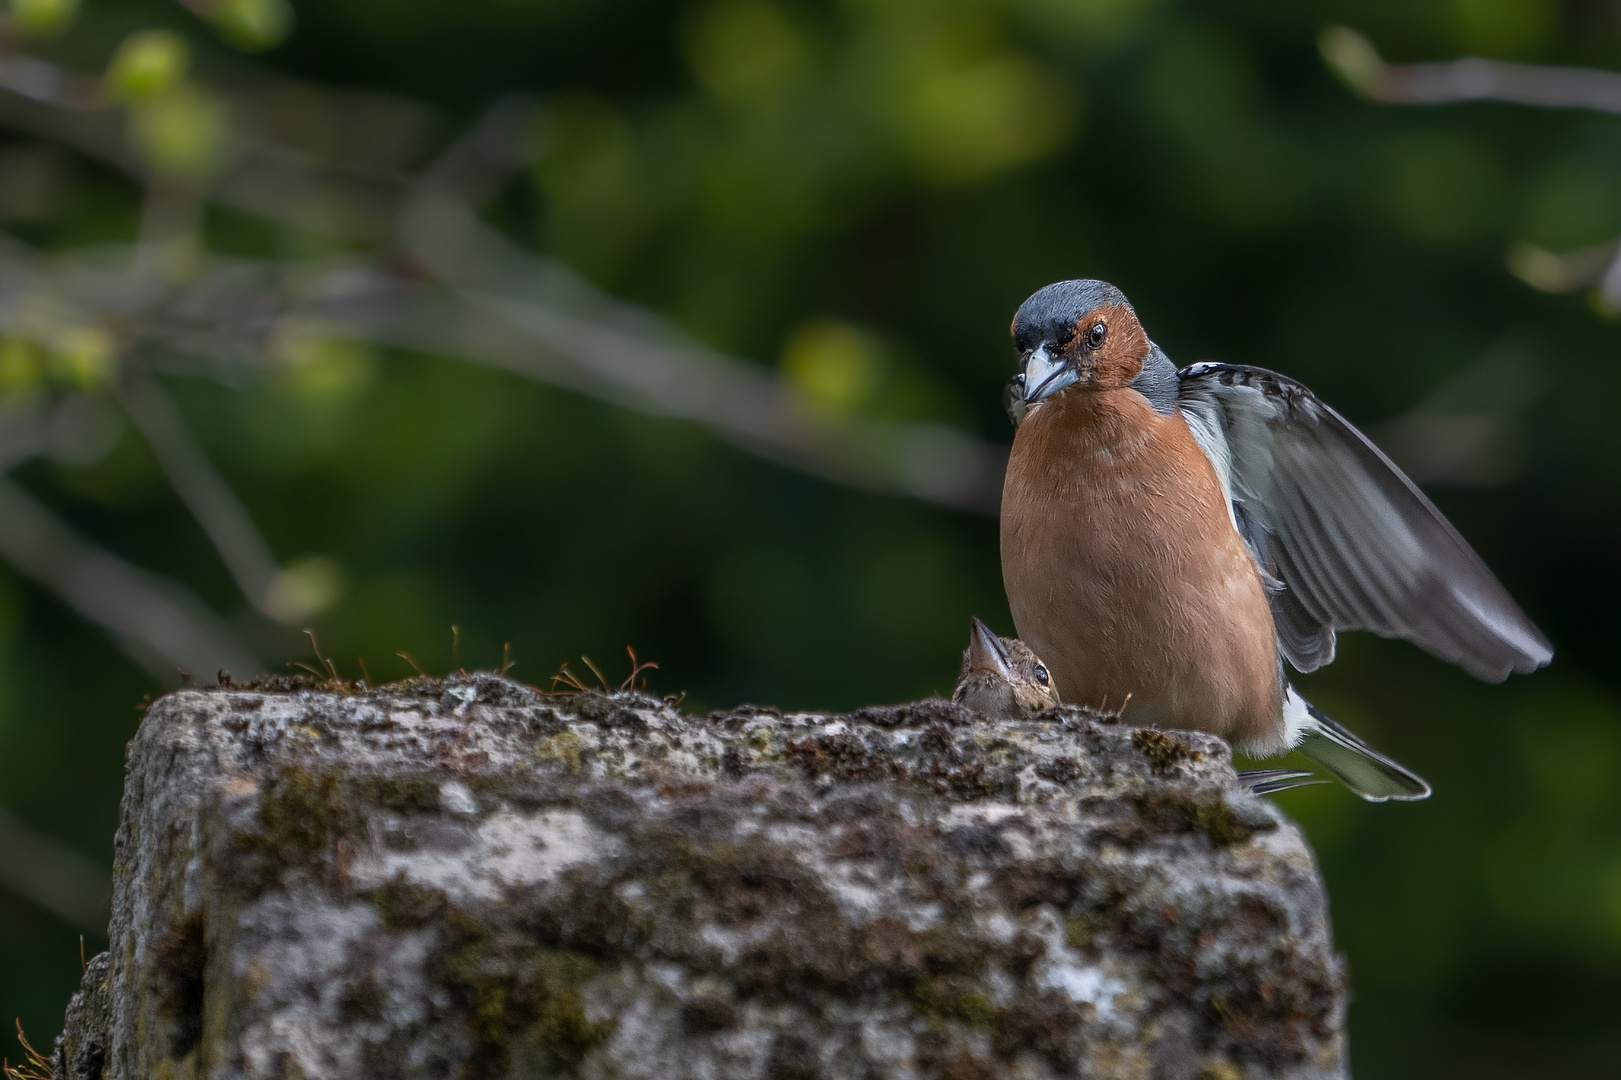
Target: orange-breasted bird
(1176, 536)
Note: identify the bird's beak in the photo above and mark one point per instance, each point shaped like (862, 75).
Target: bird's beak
(986, 653)
(1044, 376)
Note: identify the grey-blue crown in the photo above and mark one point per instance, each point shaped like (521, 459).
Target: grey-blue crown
(1051, 313)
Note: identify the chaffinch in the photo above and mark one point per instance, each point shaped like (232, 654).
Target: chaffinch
(1174, 537)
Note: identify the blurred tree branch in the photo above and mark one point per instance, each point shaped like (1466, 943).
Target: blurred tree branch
(593, 344)
(631, 358)
(1355, 59)
(54, 875)
(205, 493)
(1357, 62)
(465, 291)
(155, 619)
(421, 270)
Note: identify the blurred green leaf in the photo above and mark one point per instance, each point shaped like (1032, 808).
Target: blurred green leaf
(1352, 57)
(148, 63)
(43, 18)
(745, 50)
(304, 590)
(322, 368)
(252, 25)
(1515, 29)
(22, 366)
(833, 365)
(180, 134)
(84, 357)
(975, 120)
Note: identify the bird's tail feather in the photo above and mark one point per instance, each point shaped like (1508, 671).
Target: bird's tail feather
(1268, 781)
(1359, 766)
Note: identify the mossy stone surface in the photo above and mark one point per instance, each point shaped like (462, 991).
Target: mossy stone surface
(467, 878)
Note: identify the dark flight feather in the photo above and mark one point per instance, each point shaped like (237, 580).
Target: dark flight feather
(1355, 543)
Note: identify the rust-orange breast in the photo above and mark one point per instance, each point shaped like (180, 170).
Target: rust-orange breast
(1125, 574)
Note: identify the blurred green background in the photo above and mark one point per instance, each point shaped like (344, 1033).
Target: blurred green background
(852, 197)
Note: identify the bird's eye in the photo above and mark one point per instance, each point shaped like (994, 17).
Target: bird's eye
(1095, 336)
(1041, 675)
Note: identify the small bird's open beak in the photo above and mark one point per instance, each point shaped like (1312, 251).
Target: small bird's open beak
(1045, 375)
(986, 653)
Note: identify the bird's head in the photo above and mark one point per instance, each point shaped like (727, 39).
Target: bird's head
(1075, 333)
(1002, 677)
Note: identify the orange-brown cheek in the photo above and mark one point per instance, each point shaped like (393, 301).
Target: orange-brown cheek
(1114, 370)
(1121, 358)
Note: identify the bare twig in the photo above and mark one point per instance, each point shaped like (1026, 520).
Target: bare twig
(206, 494)
(42, 81)
(469, 292)
(157, 621)
(1355, 59)
(633, 358)
(751, 408)
(1552, 272)
(595, 344)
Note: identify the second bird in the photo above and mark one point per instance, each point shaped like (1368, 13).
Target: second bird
(1172, 537)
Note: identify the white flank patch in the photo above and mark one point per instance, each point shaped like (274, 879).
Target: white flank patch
(1296, 719)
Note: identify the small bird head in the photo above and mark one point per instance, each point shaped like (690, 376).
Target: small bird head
(1002, 677)
(1075, 333)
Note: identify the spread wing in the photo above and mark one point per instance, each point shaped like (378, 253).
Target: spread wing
(1348, 542)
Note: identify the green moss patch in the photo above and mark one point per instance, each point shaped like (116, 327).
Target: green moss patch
(1162, 750)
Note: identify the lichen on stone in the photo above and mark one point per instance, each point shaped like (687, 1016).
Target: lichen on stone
(466, 877)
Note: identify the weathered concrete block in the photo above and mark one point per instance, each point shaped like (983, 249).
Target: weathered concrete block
(468, 878)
